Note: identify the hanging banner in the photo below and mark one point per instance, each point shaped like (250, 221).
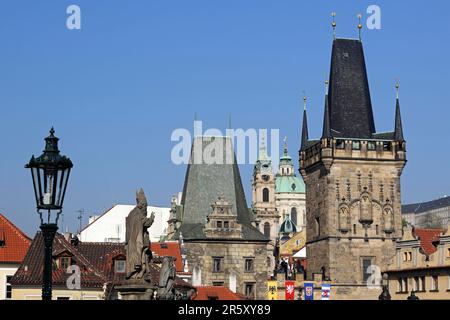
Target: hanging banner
(289, 290)
(272, 292)
(326, 290)
(309, 290)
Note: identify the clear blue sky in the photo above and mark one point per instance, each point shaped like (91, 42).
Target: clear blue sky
(137, 70)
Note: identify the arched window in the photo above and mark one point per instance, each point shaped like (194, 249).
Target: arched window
(267, 229)
(294, 215)
(265, 195)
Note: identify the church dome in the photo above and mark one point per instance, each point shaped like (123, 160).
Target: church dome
(289, 184)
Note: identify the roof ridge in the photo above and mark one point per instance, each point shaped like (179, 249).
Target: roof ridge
(18, 231)
(80, 256)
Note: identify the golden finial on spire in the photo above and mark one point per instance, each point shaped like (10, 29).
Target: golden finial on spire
(333, 24)
(359, 25)
(304, 100)
(397, 87)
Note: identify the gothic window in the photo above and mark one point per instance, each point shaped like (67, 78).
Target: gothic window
(267, 229)
(219, 224)
(226, 224)
(294, 215)
(265, 195)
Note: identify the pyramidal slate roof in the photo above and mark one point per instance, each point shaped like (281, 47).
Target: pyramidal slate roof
(212, 172)
(350, 106)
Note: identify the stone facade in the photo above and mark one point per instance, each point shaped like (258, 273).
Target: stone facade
(352, 176)
(232, 272)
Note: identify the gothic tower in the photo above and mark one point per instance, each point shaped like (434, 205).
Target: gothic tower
(352, 176)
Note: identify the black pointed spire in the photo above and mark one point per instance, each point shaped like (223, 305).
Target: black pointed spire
(326, 132)
(304, 126)
(350, 105)
(398, 133)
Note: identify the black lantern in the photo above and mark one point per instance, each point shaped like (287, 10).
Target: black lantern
(50, 172)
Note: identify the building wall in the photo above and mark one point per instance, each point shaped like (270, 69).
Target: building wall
(34, 293)
(200, 255)
(443, 288)
(412, 268)
(286, 201)
(342, 190)
(110, 227)
(5, 271)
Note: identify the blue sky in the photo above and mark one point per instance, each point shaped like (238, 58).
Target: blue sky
(116, 89)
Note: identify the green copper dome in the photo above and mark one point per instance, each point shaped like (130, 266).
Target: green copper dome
(292, 184)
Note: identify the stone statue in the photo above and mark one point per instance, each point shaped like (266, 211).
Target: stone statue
(137, 241)
(166, 279)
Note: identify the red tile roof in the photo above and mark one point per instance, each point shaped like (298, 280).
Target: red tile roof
(428, 239)
(14, 243)
(169, 249)
(216, 293)
(95, 260)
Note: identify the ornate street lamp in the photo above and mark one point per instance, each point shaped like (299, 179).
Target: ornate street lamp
(50, 172)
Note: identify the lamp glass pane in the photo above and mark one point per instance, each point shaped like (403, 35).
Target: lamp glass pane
(36, 185)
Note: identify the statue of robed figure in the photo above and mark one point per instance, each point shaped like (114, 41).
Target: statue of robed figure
(137, 240)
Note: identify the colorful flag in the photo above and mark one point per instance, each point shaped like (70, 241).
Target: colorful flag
(290, 290)
(309, 290)
(272, 293)
(326, 290)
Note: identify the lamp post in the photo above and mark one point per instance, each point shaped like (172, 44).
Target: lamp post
(50, 172)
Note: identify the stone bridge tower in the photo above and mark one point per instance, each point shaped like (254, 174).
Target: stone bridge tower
(352, 177)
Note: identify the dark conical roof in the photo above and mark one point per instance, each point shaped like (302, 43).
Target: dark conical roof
(398, 133)
(304, 130)
(205, 182)
(350, 106)
(326, 133)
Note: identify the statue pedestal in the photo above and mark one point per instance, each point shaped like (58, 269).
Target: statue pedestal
(136, 291)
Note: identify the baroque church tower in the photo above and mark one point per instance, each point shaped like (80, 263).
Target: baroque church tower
(263, 202)
(352, 175)
(263, 186)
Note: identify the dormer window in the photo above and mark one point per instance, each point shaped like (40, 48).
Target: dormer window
(64, 262)
(119, 266)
